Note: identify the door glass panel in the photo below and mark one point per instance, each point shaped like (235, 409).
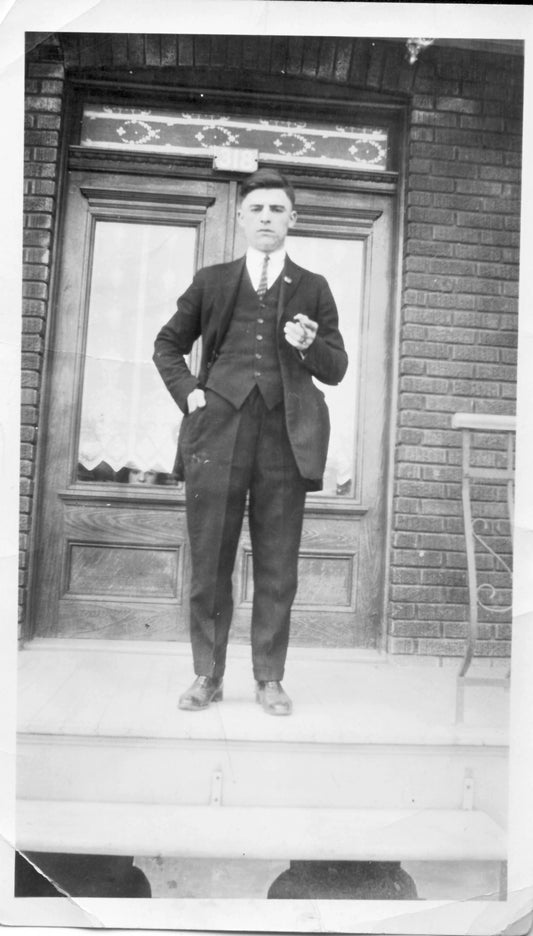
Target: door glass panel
(340, 260)
(129, 422)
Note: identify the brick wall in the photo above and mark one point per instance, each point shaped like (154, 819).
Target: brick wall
(460, 270)
(43, 123)
(458, 340)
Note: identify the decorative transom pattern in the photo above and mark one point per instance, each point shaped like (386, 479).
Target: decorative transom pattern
(306, 142)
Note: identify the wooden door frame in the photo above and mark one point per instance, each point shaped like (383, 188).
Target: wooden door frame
(142, 164)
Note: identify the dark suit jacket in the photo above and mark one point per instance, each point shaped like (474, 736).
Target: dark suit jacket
(205, 311)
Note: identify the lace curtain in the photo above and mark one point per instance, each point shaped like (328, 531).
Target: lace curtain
(128, 418)
(129, 422)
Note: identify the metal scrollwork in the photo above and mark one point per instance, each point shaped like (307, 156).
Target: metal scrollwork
(486, 586)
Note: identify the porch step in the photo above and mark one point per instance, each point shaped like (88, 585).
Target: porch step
(101, 724)
(232, 832)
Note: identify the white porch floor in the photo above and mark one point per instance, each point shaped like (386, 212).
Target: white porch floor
(119, 689)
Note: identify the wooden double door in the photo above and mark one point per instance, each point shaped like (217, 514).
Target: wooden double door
(111, 555)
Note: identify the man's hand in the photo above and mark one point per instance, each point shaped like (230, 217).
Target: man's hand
(195, 400)
(301, 332)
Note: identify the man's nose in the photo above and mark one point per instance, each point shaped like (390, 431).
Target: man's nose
(265, 214)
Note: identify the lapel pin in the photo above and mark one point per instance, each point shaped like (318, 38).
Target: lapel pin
(287, 279)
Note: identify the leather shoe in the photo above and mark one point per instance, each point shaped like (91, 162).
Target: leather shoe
(273, 698)
(204, 690)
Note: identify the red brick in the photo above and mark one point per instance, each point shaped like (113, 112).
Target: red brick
(45, 70)
(433, 118)
(40, 170)
(30, 379)
(49, 104)
(40, 187)
(419, 523)
(33, 307)
(500, 173)
(34, 290)
(36, 255)
(430, 183)
(422, 199)
(454, 302)
(41, 138)
(495, 304)
(422, 134)
(48, 121)
(52, 87)
(35, 271)
(450, 167)
(26, 486)
(426, 281)
(416, 629)
(461, 137)
(496, 124)
(420, 489)
(45, 154)
(472, 388)
(425, 150)
(431, 215)
(480, 220)
(29, 415)
(39, 221)
(425, 350)
(441, 647)
(458, 105)
(401, 645)
(407, 471)
(478, 252)
(34, 326)
(414, 557)
(449, 612)
(449, 578)
(429, 316)
(412, 384)
(425, 420)
(440, 473)
(31, 343)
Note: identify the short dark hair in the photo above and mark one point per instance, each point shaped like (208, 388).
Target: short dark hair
(267, 179)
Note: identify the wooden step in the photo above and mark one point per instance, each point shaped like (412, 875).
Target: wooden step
(257, 832)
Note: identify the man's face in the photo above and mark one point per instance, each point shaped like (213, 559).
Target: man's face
(265, 216)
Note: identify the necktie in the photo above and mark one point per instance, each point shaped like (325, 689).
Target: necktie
(263, 282)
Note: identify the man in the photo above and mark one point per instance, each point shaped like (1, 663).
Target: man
(255, 424)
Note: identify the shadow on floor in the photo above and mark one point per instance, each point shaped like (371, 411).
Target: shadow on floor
(40, 874)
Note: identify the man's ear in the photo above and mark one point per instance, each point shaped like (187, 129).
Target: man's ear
(293, 218)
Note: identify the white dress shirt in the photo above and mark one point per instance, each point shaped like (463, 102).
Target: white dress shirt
(254, 265)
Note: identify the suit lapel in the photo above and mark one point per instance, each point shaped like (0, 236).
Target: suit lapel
(290, 278)
(228, 293)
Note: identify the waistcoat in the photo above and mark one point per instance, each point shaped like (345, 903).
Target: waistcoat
(248, 356)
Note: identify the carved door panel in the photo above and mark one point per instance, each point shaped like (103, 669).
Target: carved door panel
(112, 555)
(112, 551)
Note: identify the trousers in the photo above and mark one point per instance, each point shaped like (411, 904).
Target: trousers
(231, 456)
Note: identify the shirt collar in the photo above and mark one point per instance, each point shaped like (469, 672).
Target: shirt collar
(256, 257)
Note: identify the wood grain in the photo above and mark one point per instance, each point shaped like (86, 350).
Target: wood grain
(122, 570)
(118, 566)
